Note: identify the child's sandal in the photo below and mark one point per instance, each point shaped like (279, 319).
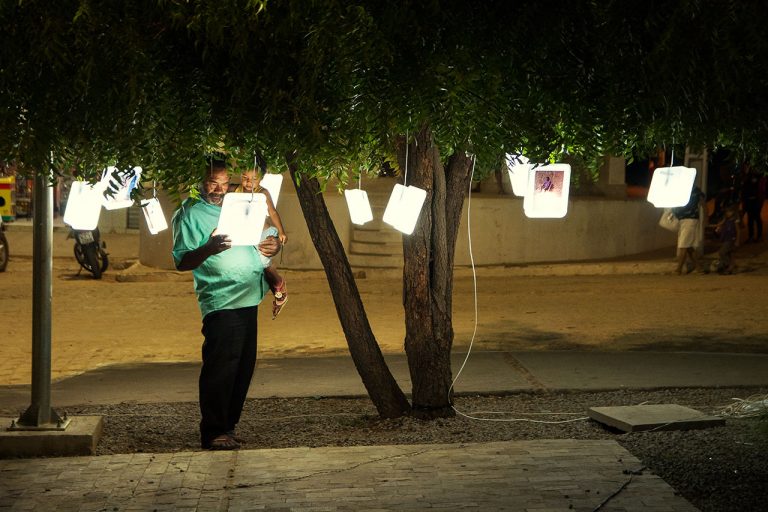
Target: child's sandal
(281, 297)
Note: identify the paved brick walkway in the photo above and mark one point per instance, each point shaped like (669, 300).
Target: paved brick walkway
(541, 475)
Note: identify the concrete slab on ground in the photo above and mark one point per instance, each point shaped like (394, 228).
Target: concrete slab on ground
(79, 438)
(518, 475)
(639, 418)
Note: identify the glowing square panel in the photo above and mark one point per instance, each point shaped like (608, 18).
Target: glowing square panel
(84, 205)
(359, 206)
(272, 182)
(404, 206)
(518, 168)
(671, 186)
(242, 217)
(153, 214)
(548, 189)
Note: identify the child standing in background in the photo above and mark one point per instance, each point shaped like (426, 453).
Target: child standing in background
(729, 231)
(250, 181)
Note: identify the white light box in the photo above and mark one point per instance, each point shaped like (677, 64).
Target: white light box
(404, 207)
(84, 205)
(242, 217)
(671, 186)
(153, 214)
(272, 182)
(548, 189)
(124, 182)
(359, 206)
(518, 168)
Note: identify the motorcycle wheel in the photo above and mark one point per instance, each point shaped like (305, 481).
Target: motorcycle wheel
(104, 260)
(4, 252)
(94, 265)
(92, 259)
(80, 256)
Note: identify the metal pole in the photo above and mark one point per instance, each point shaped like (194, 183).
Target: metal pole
(40, 415)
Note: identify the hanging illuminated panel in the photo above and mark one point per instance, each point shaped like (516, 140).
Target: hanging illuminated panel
(548, 189)
(84, 205)
(153, 214)
(359, 206)
(671, 186)
(242, 217)
(404, 206)
(122, 184)
(518, 168)
(272, 182)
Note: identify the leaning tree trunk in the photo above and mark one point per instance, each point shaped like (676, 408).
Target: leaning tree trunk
(382, 388)
(428, 273)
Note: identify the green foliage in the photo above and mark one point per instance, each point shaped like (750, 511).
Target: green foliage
(157, 83)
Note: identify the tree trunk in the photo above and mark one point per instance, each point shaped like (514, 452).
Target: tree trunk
(382, 388)
(428, 273)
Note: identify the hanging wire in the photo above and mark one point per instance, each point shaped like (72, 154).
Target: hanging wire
(405, 177)
(253, 188)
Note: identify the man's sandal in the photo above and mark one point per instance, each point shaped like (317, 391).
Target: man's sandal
(223, 442)
(281, 297)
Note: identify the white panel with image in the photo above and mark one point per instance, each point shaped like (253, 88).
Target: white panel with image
(153, 214)
(124, 182)
(548, 189)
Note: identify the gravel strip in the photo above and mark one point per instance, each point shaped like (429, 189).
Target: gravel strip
(717, 469)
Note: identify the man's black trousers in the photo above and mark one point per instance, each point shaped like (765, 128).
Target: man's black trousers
(229, 358)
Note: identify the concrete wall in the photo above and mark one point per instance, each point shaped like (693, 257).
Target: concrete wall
(594, 228)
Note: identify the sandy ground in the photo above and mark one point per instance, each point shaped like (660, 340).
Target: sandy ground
(104, 322)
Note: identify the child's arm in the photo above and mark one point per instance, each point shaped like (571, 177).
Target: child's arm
(275, 217)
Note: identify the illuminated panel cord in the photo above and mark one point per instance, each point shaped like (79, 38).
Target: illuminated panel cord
(474, 333)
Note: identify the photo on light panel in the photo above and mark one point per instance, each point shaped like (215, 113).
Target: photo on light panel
(124, 182)
(242, 217)
(84, 205)
(671, 186)
(548, 189)
(272, 182)
(518, 168)
(153, 214)
(359, 206)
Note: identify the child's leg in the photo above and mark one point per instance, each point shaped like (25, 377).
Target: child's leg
(270, 273)
(272, 277)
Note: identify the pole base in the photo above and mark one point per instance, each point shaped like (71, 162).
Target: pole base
(59, 425)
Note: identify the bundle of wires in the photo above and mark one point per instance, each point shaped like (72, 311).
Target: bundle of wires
(751, 407)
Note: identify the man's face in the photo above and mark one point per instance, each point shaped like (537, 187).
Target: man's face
(215, 186)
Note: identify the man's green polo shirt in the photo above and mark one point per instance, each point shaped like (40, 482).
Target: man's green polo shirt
(229, 280)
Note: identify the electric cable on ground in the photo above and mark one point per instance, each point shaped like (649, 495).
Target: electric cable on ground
(474, 333)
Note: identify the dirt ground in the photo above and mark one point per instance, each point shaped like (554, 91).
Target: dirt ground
(97, 323)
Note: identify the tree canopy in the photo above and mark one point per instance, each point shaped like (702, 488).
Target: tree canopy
(155, 82)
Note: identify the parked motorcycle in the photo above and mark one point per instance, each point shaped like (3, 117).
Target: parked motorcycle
(4, 253)
(90, 251)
